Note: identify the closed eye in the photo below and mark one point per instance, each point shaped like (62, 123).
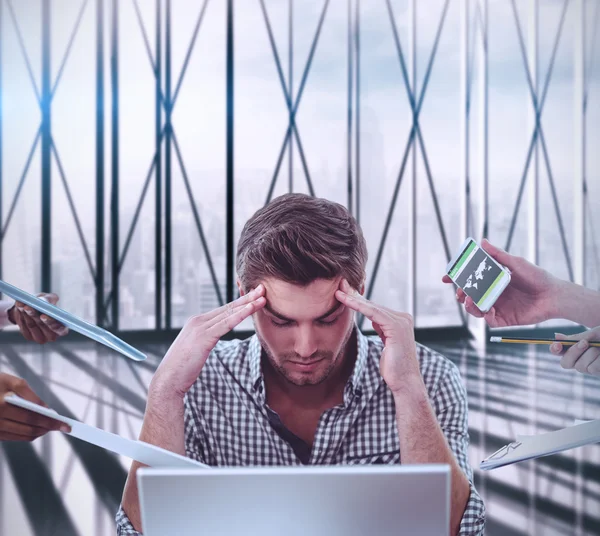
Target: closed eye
(280, 324)
(328, 322)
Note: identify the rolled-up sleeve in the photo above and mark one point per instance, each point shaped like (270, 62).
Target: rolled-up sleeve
(450, 404)
(124, 526)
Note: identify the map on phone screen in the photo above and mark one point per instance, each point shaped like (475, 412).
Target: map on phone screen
(478, 275)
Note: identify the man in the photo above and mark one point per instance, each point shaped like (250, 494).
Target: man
(533, 296)
(308, 387)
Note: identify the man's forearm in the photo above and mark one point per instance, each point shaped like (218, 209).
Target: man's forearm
(578, 304)
(164, 427)
(422, 441)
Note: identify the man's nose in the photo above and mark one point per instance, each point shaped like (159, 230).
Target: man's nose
(306, 342)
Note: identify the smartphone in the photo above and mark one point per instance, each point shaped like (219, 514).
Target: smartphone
(480, 276)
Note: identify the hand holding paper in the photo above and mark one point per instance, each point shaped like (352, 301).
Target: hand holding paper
(137, 450)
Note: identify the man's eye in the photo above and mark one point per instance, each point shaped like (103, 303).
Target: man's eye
(280, 324)
(328, 322)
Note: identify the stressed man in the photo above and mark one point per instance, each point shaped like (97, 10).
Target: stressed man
(308, 387)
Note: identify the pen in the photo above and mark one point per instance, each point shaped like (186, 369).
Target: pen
(514, 340)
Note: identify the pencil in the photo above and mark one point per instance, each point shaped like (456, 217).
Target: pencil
(513, 340)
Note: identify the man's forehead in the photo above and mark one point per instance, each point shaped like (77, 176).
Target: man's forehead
(314, 299)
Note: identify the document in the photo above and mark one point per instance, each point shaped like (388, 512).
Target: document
(140, 451)
(528, 447)
(72, 322)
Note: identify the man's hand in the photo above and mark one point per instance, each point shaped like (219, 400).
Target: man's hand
(420, 435)
(183, 362)
(529, 298)
(163, 424)
(581, 356)
(18, 424)
(399, 366)
(34, 326)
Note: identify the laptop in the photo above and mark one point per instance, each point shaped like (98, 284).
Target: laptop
(352, 500)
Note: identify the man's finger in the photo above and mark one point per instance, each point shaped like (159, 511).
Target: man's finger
(594, 368)
(19, 428)
(497, 253)
(37, 334)
(34, 330)
(31, 312)
(471, 308)
(54, 325)
(229, 311)
(571, 356)
(230, 321)
(446, 279)
(588, 335)
(30, 418)
(49, 297)
(379, 331)
(25, 332)
(242, 300)
(490, 318)
(363, 306)
(586, 359)
(49, 335)
(12, 437)
(460, 295)
(556, 348)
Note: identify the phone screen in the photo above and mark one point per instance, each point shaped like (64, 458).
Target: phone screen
(476, 273)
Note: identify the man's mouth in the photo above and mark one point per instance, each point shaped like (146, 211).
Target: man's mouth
(306, 366)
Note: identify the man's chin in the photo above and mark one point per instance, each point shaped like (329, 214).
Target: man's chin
(304, 378)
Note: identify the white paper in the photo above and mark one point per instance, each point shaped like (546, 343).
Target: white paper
(527, 447)
(140, 451)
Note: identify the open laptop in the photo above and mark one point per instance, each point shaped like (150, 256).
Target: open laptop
(318, 500)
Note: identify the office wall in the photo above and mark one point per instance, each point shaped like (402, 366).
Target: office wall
(121, 175)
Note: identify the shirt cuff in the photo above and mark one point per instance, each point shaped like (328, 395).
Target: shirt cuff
(473, 520)
(5, 305)
(124, 526)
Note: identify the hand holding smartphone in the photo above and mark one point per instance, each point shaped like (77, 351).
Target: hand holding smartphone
(478, 275)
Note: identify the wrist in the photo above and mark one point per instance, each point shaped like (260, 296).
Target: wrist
(10, 315)
(412, 391)
(161, 392)
(565, 300)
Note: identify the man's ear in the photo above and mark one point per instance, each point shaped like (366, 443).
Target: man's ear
(361, 290)
(240, 288)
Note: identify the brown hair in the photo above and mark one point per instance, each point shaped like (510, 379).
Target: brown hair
(298, 239)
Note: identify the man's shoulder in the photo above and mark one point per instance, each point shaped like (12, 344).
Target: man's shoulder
(435, 367)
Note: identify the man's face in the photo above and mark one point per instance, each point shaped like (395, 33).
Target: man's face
(304, 330)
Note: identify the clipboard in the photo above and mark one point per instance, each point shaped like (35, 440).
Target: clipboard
(140, 451)
(72, 322)
(528, 447)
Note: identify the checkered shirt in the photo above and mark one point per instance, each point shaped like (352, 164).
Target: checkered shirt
(227, 422)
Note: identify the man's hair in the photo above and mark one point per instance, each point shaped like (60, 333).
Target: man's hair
(298, 239)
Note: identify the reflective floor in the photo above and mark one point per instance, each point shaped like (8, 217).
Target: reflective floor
(62, 486)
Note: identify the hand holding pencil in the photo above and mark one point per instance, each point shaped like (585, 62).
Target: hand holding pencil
(580, 351)
(583, 356)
